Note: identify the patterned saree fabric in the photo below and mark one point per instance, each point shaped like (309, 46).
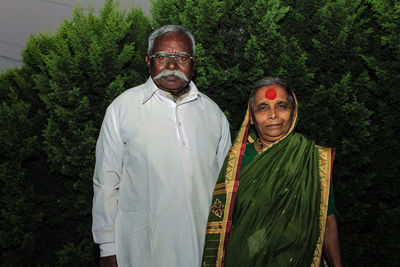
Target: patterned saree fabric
(271, 212)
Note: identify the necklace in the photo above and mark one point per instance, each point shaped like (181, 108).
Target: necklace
(259, 146)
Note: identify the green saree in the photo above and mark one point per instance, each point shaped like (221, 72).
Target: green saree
(277, 216)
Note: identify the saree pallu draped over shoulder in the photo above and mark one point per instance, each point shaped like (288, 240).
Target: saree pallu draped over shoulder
(277, 216)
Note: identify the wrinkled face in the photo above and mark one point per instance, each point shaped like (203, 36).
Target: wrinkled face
(272, 113)
(174, 42)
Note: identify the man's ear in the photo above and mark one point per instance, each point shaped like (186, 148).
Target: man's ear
(194, 62)
(147, 58)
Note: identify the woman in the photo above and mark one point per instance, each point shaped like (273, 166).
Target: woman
(270, 204)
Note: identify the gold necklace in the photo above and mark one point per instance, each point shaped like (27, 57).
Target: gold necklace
(259, 146)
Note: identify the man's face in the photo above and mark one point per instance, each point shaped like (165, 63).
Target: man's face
(272, 113)
(173, 43)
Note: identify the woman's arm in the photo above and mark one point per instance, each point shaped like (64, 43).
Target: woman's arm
(331, 243)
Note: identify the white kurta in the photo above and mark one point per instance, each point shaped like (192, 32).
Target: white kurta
(156, 166)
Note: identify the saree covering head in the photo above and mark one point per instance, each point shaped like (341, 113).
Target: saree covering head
(269, 208)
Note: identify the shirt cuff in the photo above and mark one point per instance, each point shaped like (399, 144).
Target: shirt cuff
(107, 249)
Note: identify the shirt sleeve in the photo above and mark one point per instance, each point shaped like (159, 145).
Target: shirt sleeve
(106, 179)
(107, 249)
(224, 143)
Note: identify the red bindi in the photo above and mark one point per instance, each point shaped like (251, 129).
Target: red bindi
(270, 94)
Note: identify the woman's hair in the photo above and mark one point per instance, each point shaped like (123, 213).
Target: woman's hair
(270, 81)
(167, 29)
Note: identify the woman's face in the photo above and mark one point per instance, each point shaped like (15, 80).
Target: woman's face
(272, 113)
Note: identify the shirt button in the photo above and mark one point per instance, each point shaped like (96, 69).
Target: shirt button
(183, 143)
(180, 124)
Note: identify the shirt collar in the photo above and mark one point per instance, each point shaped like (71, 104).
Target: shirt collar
(150, 88)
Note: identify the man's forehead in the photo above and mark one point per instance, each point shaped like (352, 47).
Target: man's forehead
(173, 38)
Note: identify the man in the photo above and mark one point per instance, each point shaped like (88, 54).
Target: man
(158, 156)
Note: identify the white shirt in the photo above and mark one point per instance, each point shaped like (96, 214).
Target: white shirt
(156, 166)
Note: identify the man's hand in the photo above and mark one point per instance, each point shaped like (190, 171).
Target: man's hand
(109, 261)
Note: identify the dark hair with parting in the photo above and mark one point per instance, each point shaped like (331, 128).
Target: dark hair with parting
(270, 81)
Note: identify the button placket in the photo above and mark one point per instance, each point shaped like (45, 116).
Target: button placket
(179, 127)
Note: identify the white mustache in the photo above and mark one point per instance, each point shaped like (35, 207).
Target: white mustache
(176, 73)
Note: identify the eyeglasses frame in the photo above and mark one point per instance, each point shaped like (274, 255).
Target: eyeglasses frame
(170, 55)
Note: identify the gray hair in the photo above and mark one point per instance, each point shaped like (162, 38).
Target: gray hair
(167, 29)
(270, 81)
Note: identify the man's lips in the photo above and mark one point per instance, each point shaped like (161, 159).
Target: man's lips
(171, 77)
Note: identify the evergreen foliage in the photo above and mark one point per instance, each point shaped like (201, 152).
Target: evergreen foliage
(20, 218)
(342, 59)
(75, 74)
(237, 43)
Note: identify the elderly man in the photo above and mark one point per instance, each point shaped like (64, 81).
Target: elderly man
(158, 155)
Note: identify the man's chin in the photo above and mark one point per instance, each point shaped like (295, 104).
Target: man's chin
(177, 93)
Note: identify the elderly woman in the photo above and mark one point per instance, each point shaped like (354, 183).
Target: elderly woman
(273, 204)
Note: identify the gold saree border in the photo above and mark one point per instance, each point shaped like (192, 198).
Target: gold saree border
(227, 188)
(325, 170)
(230, 181)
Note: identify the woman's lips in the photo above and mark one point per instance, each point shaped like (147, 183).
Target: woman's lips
(273, 126)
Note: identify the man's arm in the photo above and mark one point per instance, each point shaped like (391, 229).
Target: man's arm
(106, 178)
(224, 143)
(331, 243)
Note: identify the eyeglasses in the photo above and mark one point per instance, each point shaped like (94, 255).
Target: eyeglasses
(162, 58)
